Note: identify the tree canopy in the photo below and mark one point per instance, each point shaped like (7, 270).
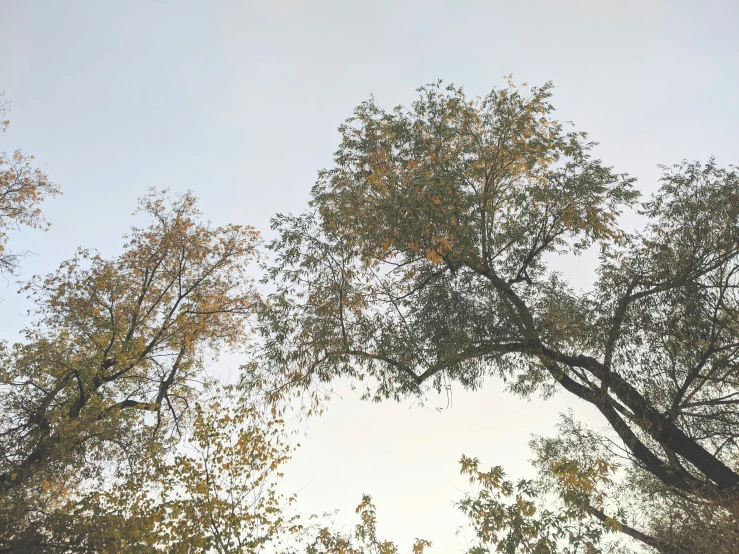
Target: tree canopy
(426, 257)
(110, 367)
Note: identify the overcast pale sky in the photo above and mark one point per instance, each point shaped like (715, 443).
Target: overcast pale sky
(239, 101)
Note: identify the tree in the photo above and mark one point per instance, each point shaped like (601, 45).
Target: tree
(109, 371)
(217, 495)
(564, 508)
(425, 257)
(22, 189)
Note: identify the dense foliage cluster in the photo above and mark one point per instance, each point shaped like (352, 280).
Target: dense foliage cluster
(426, 258)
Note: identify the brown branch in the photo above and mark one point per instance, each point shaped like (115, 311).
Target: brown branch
(658, 545)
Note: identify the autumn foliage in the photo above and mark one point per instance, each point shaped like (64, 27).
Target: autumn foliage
(426, 258)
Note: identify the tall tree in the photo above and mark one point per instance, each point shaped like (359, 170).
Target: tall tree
(425, 257)
(109, 370)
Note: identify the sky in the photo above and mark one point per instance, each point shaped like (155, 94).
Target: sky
(239, 101)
